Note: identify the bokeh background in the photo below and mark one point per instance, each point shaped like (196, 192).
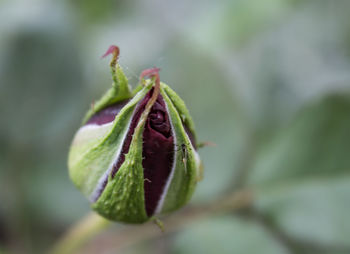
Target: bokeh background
(268, 81)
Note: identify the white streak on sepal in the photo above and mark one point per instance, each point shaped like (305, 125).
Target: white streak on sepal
(92, 131)
(98, 190)
(198, 165)
(135, 100)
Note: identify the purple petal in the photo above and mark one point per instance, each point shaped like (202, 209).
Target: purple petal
(158, 153)
(108, 114)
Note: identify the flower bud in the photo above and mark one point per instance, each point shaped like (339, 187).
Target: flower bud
(134, 156)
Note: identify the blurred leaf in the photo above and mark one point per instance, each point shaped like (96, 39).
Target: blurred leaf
(315, 144)
(41, 89)
(299, 59)
(302, 177)
(94, 11)
(233, 23)
(312, 211)
(226, 235)
(41, 81)
(61, 203)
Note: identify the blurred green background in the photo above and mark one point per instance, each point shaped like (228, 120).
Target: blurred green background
(268, 81)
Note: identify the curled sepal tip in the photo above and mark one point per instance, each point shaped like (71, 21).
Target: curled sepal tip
(120, 90)
(112, 50)
(153, 73)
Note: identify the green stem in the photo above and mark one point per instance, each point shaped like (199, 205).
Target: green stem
(83, 231)
(117, 241)
(78, 238)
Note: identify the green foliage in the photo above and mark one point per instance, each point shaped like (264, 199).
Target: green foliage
(313, 145)
(226, 235)
(302, 176)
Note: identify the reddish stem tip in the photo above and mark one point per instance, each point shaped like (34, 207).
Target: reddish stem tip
(152, 72)
(112, 50)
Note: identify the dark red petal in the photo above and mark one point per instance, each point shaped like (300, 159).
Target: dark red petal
(158, 149)
(158, 153)
(108, 114)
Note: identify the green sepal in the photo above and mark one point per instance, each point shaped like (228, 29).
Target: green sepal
(120, 91)
(181, 108)
(89, 160)
(138, 88)
(186, 172)
(123, 197)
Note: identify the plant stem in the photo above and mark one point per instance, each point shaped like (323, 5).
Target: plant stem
(116, 241)
(80, 233)
(93, 224)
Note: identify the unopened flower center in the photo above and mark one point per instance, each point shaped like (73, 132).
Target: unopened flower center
(158, 119)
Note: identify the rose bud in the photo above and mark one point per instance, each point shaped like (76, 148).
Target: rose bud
(135, 155)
